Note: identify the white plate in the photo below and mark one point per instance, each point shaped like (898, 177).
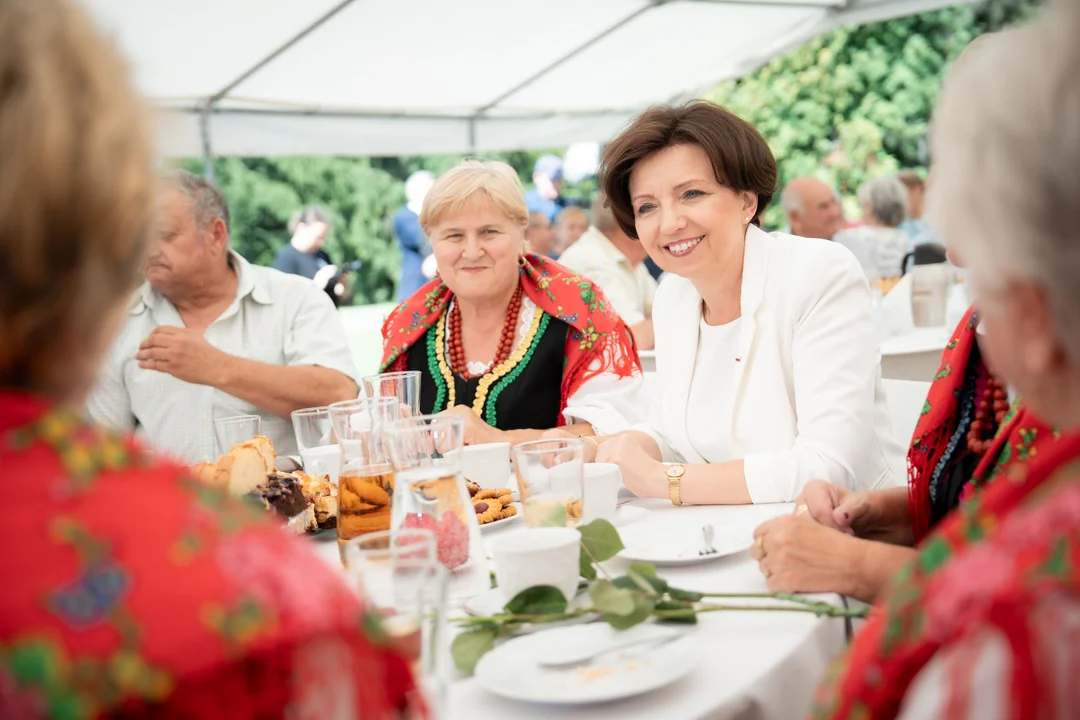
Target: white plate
(628, 515)
(679, 545)
(492, 602)
(505, 521)
(510, 670)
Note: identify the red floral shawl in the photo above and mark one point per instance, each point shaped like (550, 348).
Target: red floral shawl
(597, 332)
(1018, 439)
(987, 567)
(132, 589)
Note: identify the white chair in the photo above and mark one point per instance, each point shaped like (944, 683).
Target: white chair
(906, 399)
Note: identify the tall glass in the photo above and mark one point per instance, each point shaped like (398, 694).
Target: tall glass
(319, 449)
(398, 574)
(431, 494)
(366, 483)
(550, 476)
(405, 386)
(234, 430)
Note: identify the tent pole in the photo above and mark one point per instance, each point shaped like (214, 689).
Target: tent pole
(204, 132)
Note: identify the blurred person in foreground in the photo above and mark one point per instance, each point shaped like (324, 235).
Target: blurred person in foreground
(510, 341)
(210, 336)
(811, 208)
(983, 623)
(130, 590)
(766, 352)
(615, 262)
(569, 226)
(539, 236)
(303, 255)
(879, 244)
(412, 242)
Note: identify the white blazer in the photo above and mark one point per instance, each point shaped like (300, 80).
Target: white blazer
(807, 373)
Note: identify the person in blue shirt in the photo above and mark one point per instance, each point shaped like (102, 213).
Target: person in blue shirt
(545, 197)
(410, 236)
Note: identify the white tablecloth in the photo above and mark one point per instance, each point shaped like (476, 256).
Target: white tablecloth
(753, 664)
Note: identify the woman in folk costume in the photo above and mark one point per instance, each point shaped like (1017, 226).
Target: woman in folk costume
(853, 543)
(512, 342)
(985, 622)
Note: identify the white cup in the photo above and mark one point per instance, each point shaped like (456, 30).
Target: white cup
(487, 465)
(602, 483)
(538, 556)
(322, 460)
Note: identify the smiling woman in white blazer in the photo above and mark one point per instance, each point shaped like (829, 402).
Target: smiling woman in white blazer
(766, 353)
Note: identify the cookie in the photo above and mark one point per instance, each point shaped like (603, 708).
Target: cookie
(473, 487)
(485, 493)
(487, 511)
(507, 512)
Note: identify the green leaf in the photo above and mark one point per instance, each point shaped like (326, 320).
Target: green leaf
(643, 607)
(585, 566)
(684, 595)
(611, 600)
(601, 540)
(538, 600)
(642, 576)
(555, 518)
(688, 619)
(469, 647)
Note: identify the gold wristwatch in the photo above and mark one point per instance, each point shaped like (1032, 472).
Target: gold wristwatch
(674, 473)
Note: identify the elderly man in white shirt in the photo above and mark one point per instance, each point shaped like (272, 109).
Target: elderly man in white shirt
(616, 262)
(210, 336)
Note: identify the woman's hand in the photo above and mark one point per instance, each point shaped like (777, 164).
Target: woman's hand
(797, 554)
(589, 443)
(477, 432)
(641, 473)
(821, 499)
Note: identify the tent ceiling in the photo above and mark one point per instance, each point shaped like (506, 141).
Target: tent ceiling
(389, 77)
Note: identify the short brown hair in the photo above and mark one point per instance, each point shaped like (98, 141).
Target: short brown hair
(740, 157)
(77, 187)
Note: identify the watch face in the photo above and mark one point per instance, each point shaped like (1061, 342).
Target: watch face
(674, 472)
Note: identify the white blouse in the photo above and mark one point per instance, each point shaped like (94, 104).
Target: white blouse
(713, 387)
(606, 401)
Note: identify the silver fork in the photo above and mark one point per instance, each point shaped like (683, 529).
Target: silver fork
(707, 536)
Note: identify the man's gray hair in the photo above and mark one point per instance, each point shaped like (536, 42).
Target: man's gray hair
(207, 202)
(791, 199)
(888, 200)
(1006, 147)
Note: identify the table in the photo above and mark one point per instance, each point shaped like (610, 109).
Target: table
(753, 664)
(915, 355)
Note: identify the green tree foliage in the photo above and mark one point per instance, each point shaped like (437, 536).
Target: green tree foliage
(856, 103)
(848, 106)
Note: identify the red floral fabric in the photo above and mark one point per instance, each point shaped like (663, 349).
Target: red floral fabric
(1011, 548)
(132, 590)
(599, 341)
(1017, 440)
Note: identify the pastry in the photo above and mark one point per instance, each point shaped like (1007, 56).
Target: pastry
(506, 499)
(487, 510)
(485, 493)
(508, 511)
(282, 494)
(473, 487)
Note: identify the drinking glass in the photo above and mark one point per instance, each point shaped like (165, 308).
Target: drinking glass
(405, 386)
(366, 483)
(550, 476)
(400, 577)
(431, 494)
(319, 448)
(234, 430)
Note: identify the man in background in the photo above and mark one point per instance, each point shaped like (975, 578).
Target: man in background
(811, 208)
(210, 336)
(569, 226)
(303, 255)
(615, 262)
(411, 239)
(545, 197)
(539, 235)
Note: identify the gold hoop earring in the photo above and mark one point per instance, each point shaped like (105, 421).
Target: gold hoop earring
(521, 260)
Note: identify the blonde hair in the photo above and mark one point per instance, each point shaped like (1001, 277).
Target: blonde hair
(1007, 147)
(77, 188)
(452, 190)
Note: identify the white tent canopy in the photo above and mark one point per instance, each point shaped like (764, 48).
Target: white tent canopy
(412, 77)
